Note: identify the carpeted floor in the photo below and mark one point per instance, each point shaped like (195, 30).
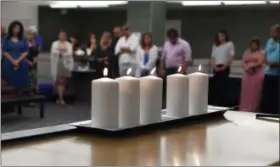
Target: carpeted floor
(54, 115)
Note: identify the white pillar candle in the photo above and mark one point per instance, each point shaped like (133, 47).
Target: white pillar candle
(129, 102)
(105, 103)
(198, 93)
(177, 95)
(150, 99)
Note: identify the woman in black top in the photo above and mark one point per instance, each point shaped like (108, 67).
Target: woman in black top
(91, 45)
(91, 49)
(75, 43)
(32, 59)
(104, 53)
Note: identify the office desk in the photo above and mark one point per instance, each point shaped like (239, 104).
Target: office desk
(215, 142)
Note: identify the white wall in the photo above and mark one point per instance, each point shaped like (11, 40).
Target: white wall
(25, 12)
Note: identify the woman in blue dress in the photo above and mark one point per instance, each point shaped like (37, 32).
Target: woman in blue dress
(15, 50)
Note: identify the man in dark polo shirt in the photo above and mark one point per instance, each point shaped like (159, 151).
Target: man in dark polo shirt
(117, 31)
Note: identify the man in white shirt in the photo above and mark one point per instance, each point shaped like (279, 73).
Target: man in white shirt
(126, 50)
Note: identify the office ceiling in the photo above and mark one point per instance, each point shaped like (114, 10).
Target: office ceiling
(173, 5)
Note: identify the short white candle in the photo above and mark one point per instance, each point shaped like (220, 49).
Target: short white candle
(150, 99)
(177, 95)
(198, 93)
(129, 101)
(105, 103)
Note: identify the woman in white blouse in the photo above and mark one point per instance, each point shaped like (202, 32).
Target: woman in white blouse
(222, 57)
(61, 64)
(147, 54)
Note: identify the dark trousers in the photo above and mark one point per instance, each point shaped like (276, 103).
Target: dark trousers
(171, 71)
(145, 73)
(220, 82)
(115, 66)
(168, 71)
(270, 95)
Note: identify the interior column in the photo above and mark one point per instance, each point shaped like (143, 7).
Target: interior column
(148, 17)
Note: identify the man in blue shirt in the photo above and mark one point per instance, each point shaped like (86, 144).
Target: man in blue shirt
(270, 96)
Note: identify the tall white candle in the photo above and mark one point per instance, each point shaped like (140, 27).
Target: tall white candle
(129, 101)
(105, 103)
(177, 97)
(150, 99)
(198, 93)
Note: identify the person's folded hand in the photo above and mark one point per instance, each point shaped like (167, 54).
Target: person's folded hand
(13, 62)
(125, 50)
(17, 62)
(122, 50)
(62, 50)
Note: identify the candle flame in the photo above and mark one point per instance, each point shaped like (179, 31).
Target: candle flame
(153, 71)
(199, 67)
(128, 72)
(105, 72)
(179, 69)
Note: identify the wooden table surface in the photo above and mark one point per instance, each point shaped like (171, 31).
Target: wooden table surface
(217, 142)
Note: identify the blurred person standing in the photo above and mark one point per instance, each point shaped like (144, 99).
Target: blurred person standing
(222, 55)
(15, 69)
(176, 53)
(32, 58)
(105, 54)
(62, 64)
(91, 45)
(75, 43)
(91, 51)
(147, 53)
(117, 34)
(252, 80)
(223, 52)
(117, 31)
(126, 51)
(271, 85)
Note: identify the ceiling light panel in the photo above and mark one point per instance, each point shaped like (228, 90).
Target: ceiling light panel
(201, 3)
